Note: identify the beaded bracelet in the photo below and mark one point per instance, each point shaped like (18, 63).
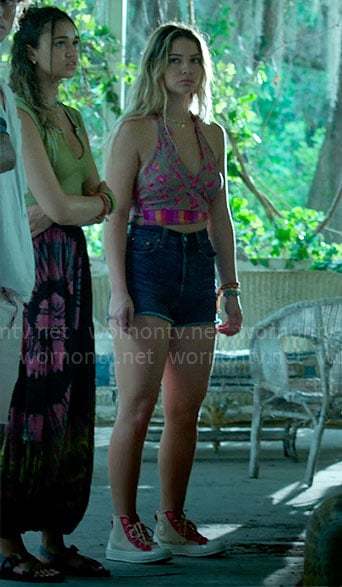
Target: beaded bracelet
(231, 288)
(235, 292)
(226, 291)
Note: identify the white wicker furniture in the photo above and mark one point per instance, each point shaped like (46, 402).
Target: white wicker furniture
(265, 292)
(314, 400)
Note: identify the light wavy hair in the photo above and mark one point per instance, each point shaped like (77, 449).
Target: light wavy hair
(148, 95)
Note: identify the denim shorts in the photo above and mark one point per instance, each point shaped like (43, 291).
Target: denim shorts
(171, 274)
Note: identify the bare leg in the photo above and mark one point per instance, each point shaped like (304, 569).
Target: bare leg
(139, 363)
(184, 387)
(54, 553)
(185, 384)
(13, 545)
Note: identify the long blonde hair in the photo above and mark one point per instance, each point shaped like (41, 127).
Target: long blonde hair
(148, 96)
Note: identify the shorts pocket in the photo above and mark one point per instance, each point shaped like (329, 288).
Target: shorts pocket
(142, 244)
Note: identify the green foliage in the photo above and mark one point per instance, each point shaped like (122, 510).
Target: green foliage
(277, 122)
(291, 237)
(286, 170)
(281, 158)
(274, 131)
(279, 137)
(94, 236)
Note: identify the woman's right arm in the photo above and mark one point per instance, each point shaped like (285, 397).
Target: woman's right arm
(60, 207)
(121, 170)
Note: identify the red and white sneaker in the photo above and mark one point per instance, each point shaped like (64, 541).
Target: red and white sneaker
(133, 543)
(182, 538)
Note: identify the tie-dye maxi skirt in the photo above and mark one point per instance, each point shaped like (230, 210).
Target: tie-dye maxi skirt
(47, 455)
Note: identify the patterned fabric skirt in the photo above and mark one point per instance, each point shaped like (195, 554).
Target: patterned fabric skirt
(47, 455)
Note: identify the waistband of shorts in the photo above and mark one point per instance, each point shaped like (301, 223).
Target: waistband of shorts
(165, 234)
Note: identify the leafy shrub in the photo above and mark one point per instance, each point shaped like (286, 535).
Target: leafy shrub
(292, 237)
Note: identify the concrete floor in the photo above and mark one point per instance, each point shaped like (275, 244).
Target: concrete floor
(262, 520)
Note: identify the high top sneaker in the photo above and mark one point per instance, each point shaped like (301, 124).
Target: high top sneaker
(133, 543)
(182, 537)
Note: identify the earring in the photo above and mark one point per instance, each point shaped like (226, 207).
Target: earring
(34, 62)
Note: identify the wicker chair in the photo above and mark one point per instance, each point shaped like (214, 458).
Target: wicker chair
(315, 398)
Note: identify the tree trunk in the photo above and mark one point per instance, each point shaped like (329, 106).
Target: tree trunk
(145, 16)
(328, 175)
(271, 45)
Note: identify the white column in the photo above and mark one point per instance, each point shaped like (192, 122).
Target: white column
(113, 14)
(117, 23)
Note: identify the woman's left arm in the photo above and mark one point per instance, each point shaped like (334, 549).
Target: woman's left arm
(222, 236)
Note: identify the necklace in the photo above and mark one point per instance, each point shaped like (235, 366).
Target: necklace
(180, 123)
(55, 110)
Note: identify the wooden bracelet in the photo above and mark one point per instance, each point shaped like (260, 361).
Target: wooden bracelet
(111, 199)
(106, 206)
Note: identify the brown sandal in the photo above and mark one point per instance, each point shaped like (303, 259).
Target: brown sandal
(71, 563)
(28, 570)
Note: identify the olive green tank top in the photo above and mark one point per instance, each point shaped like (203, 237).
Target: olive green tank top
(70, 171)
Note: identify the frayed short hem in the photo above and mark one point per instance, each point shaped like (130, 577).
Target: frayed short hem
(155, 315)
(167, 319)
(190, 324)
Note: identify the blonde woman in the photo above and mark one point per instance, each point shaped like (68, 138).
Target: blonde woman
(167, 166)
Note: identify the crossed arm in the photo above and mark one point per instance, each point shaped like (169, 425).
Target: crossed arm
(54, 205)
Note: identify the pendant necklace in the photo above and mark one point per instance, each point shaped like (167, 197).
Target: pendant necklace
(180, 123)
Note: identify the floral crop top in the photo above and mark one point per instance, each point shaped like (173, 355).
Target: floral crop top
(165, 192)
